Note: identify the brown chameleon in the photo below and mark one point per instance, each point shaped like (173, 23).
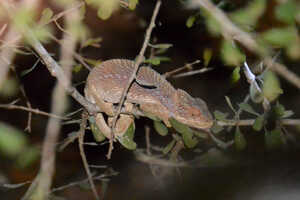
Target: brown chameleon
(150, 95)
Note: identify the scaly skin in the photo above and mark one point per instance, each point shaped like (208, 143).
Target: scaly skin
(159, 98)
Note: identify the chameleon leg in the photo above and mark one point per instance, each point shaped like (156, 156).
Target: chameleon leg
(123, 123)
(102, 125)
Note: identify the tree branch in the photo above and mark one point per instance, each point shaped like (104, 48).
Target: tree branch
(138, 61)
(232, 32)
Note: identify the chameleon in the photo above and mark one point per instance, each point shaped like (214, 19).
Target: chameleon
(149, 95)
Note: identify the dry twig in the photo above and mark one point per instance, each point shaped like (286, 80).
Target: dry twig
(232, 32)
(138, 61)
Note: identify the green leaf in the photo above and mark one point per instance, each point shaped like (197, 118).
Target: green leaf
(28, 157)
(230, 54)
(255, 95)
(106, 8)
(228, 101)
(169, 147)
(12, 141)
(282, 37)
(207, 55)
(98, 135)
(77, 68)
(239, 140)
(187, 133)
(279, 110)
(287, 11)
(258, 123)
(161, 46)
(212, 24)
(160, 128)
(249, 15)
(127, 139)
(271, 87)
(248, 108)
(220, 115)
(157, 60)
(46, 16)
(94, 42)
(235, 76)
(9, 87)
(190, 21)
(132, 4)
(273, 139)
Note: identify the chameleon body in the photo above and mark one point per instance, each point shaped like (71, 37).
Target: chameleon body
(151, 94)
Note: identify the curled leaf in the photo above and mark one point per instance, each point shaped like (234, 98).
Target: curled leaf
(98, 135)
(127, 139)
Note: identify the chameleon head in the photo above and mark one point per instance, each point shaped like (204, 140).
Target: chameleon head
(192, 111)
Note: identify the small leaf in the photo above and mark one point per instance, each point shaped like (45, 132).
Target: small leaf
(212, 24)
(231, 54)
(161, 46)
(249, 15)
(132, 4)
(235, 76)
(220, 115)
(258, 123)
(248, 108)
(12, 141)
(255, 95)
(77, 68)
(282, 37)
(287, 11)
(271, 87)
(127, 139)
(98, 135)
(157, 60)
(187, 133)
(279, 110)
(169, 147)
(190, 21)
(106, 8)
(9, 87)
(273, 139)
(239, 140)
(94, 42)
(46, 16)
(160, 128)
(207, 55)
(28, 157)
(228, 101)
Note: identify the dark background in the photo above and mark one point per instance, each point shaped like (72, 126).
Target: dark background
(256, 174)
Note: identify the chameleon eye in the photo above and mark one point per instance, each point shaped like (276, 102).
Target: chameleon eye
(195, 111)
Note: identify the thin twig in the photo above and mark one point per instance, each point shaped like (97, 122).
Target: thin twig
(138, 61)
(31, 110)
(250, 122)
(232, 32)
(57, 72)
(191, 73)
(188, 66)
(82, 154)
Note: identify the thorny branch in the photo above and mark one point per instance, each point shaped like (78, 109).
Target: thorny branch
(138, 61)
(232, 32)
